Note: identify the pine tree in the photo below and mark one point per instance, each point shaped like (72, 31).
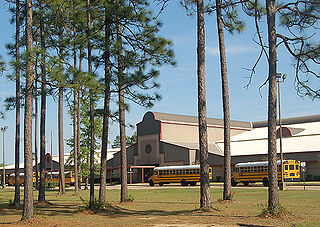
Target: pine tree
(28, 178)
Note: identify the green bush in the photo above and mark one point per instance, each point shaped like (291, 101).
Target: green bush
(51, 184)
(98, 205)
(276, 211)
(130, 198)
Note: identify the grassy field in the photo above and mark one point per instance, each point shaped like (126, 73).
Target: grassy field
(167, 207)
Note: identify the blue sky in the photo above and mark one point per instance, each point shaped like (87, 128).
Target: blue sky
(179, 83)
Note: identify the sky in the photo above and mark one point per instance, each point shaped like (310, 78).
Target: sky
(179, 83)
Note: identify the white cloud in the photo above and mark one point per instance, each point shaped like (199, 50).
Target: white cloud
(231, 50)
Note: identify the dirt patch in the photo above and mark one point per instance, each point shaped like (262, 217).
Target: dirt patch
(43, 204)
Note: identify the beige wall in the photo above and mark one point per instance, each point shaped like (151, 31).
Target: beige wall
(189, 133)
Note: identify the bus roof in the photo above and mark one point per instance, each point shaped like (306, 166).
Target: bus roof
(264, 163)
(177, 167)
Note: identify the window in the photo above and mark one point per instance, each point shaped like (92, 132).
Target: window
(187, 171)
(174, 171)
(297, 167)
(198, 171)
(291, 167)
(286, 132)
(286, 167)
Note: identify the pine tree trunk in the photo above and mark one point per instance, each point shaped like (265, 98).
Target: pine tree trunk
(103, 172)
(123, 151)
(79, 123)
(75, 142)
(205, 200)
(62, 189)
(226, 111)
(36, 131)
(41, 196)
(17, 138)
(92, 141)
(78, 138)
(273, 201)
(28, 178)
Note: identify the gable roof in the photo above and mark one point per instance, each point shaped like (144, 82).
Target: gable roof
(165, 117)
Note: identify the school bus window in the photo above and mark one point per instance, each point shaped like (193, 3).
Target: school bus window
(209, 170)
(291, 167)
(198, 171)
(187, 171)
(255, 168)
(297, 167)
(286, 167)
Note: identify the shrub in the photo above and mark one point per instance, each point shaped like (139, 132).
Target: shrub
(130, 198)
(51, 184)
(275, 211)
(98, 205)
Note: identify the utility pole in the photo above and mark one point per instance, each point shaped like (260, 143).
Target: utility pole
(51, 155)
(280, 79)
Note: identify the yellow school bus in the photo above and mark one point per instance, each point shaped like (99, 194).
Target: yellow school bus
(252, 172)
(177, 174)
(54, 176)
(12, 179)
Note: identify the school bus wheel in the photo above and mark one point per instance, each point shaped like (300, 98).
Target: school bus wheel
(184, 182)
(245, 183)
(160, 184)
(193, 183)
(233, 182)
(265, 182)
(151, 183)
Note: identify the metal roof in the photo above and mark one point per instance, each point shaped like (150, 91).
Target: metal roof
(178, 167)
(289, 121)
(194, 120)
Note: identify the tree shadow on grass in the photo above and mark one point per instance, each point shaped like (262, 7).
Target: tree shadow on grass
(114, 211)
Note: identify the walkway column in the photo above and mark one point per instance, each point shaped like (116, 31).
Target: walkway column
(142, 173)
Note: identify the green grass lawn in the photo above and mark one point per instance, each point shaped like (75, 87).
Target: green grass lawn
(167, 207)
